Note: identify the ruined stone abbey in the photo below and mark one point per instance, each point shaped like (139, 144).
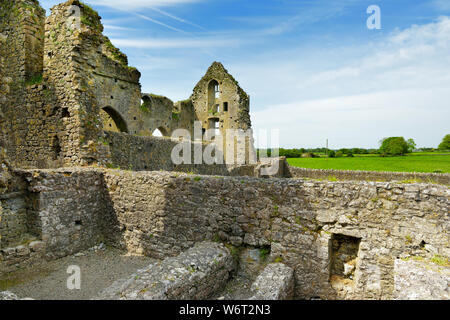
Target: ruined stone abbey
(80, 165)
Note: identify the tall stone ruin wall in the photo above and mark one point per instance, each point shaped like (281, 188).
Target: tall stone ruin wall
(63, 83)
(29, 121)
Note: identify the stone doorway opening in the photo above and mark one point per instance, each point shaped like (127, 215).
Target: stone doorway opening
(344, 252)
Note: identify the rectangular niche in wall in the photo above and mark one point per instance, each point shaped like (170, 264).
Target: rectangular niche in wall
(343, 254)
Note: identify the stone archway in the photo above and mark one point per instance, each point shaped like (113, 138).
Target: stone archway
(160, 132)
(113, 121)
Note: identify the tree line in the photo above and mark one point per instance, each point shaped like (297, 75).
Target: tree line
(392, 146)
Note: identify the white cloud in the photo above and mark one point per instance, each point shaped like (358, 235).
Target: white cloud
(360, 120)
(139, 4)
(398, 85)
(147, 43)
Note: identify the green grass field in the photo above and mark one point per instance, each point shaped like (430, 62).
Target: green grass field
(410, 163)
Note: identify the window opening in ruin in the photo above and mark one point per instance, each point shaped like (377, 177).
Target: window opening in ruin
(56, 148)
(343, 259)
(213, 93)
(225, 106)
(217, 91)
(78, 222)
(65, 113)
(216, 126)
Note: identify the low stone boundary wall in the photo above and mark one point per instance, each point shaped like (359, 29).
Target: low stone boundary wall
(195, 274)
(417, 280)
(435, 178)
(276, 282)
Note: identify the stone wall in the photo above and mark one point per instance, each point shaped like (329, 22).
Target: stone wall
(228, 108)
(421, 280)
(294, 172)
(67, 208)
(13, 206)
(154, 154)
(300, 220)
(29, 122)
(341, 238)
(21, 256)
(63, 83)
(13, 218)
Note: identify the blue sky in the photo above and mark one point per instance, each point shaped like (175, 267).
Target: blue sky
(312, 68)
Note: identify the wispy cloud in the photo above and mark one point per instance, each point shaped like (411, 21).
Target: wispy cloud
(113, 27)
(202, 43)
(140, 4)
(131, 7)
(177, 18)
(442, 4)
(158, 22)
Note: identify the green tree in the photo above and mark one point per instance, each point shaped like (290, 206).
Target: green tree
(393, 146)
(445, 144)
(411, 145)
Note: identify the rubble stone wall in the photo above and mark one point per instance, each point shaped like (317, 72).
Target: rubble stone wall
(297, 219)
(195, 274)
(276, 282)
(302, 173)
(340, 238)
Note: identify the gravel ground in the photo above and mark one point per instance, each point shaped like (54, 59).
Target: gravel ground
(99, 269)
(238, 288)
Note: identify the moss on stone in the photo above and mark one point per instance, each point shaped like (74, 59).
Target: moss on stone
(115, 53)
(91, 18)
(34, 79)
(440, 260)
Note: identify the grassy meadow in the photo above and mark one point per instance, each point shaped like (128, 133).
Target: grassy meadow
(415, 162)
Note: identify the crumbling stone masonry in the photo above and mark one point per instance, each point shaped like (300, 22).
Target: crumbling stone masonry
(276, 282)
(65, 91)
(341, 238)
(195, 274)
(63, 84)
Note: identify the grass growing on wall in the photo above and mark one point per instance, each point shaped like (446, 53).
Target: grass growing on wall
(412, 163)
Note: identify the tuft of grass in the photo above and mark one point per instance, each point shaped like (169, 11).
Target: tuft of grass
(408, 239)
(264, 253)
(35, 79)
(440, 260)
(279, 259)
(176, 116)
(91, 18)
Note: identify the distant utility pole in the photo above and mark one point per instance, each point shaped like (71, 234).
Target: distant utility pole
(327, 148)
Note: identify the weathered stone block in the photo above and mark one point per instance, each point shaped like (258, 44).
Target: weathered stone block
(276, 282)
